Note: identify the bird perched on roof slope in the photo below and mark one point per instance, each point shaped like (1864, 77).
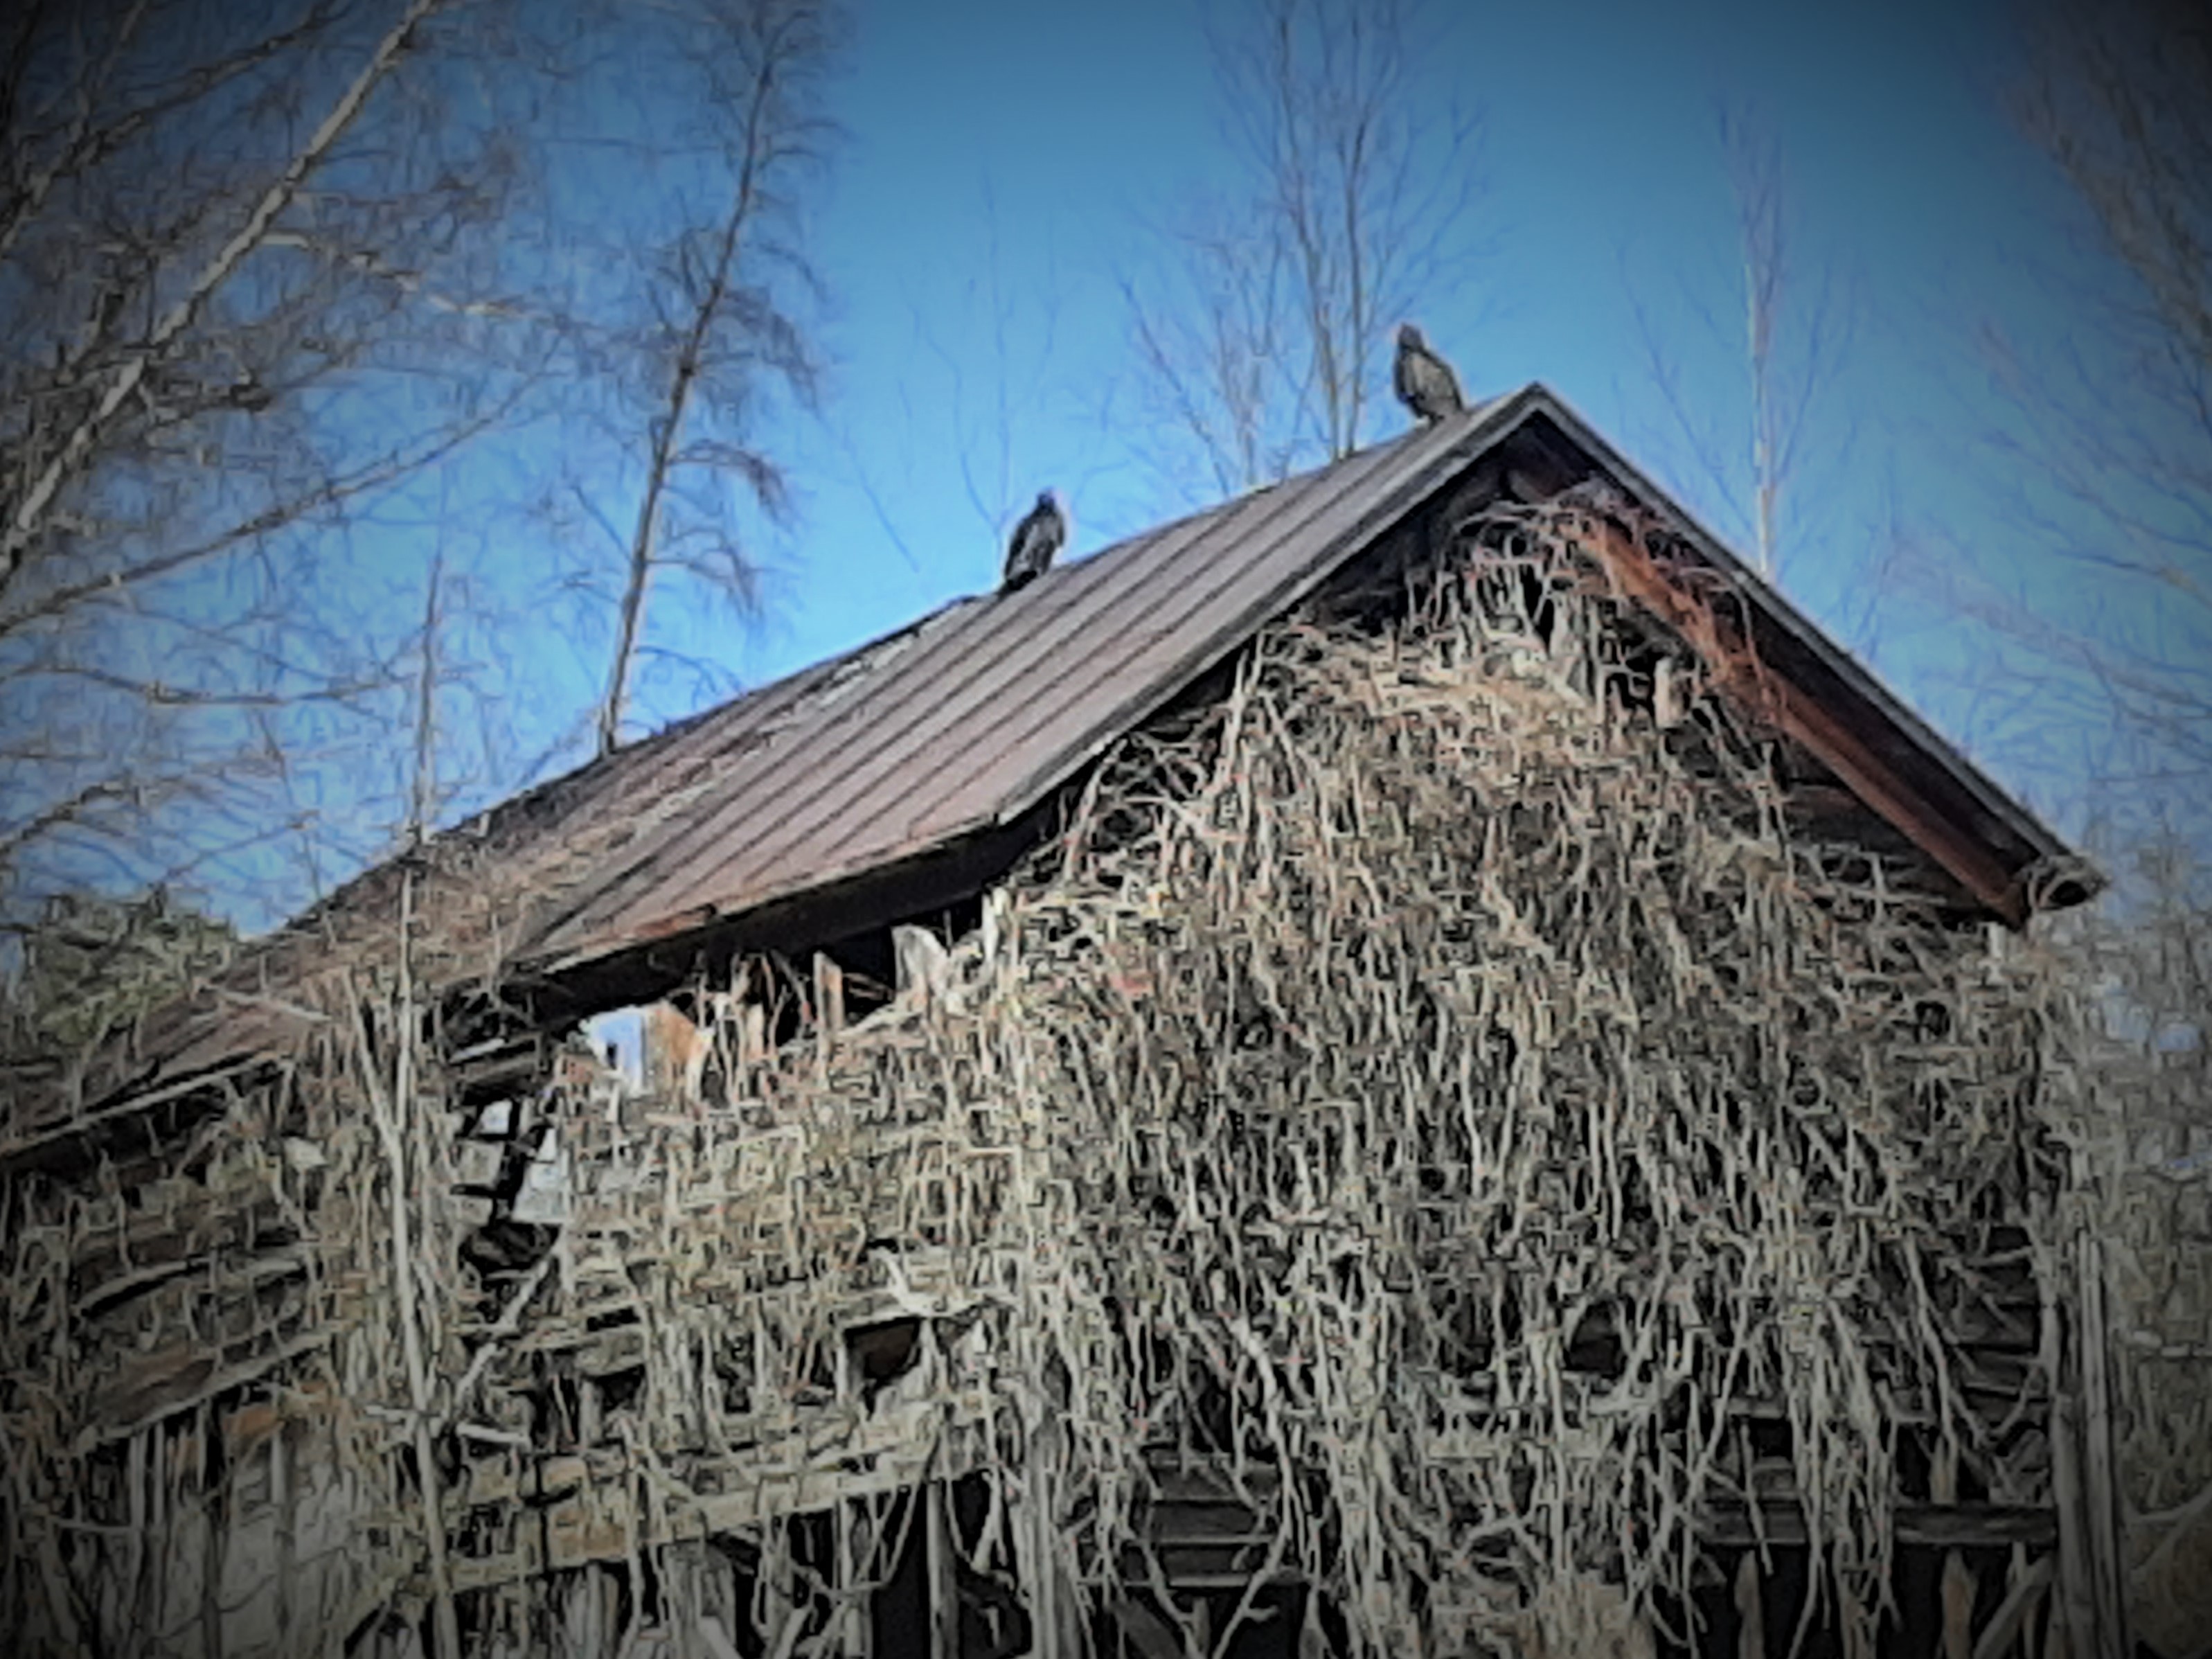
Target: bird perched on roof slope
(1424, 381)
(1037, 538)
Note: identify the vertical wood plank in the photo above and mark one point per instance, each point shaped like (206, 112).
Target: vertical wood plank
(2071, 1600)
(944, 1576)
(1750, 1608)
(2101, 1479)
(1957, 1597)
(829, 995)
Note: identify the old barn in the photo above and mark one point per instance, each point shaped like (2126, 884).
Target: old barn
(1414, 1064)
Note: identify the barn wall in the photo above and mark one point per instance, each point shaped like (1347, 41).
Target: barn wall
(1433, 1133)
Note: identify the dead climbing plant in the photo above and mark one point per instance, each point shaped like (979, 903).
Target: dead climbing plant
(1378, 1043)
(1432, 1083)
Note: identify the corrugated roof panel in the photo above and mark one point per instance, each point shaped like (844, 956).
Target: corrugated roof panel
(959, 721)
(1138, 667)
(1059, 639)
(945, 703)
(1001, 692)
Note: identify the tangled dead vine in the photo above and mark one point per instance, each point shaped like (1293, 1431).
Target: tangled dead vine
(1378, 1033)
(1435, 1010)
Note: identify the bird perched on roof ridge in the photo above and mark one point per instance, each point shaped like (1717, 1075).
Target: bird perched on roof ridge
(1424, 381)
(1037, 538)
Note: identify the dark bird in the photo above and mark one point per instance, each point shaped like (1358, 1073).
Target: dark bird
(1424, 381)
(1037, 537)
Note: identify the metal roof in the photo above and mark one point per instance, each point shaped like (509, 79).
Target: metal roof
(968, 717)
(966, 720)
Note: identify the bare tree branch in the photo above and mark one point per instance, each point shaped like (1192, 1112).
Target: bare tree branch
(2106, 460)
(240, 247)
(719, 319)
(1261, 339)
(29, 508)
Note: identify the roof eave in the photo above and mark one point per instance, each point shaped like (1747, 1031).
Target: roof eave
(2081, 880)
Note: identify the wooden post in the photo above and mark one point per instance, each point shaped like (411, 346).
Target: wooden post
(1955, 1589)
(210, 1508)
(591, 1611)
(848, 1541)
(829, 996)
(1033, 1530)
(943, 1573)
(1958, 1595)
(280, 1498)
(1751, 1633)
(2074, 1602)
(2071, 1604)
(137, 1609)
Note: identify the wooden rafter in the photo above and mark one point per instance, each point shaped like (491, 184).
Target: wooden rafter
(1734, 662)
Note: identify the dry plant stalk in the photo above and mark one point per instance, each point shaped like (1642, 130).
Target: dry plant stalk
(1377, 1043)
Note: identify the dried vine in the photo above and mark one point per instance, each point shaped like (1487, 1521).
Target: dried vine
(1433, 1086)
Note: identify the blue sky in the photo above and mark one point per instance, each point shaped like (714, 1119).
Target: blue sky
(1002, 160)
(1001, 163)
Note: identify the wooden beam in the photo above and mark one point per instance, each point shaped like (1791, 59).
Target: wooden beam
(1730, 658)
(597, 1520)
(179, 1378)
(61, 1144)
(1939, 1526)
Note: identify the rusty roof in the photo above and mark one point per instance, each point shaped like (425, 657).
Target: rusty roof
(968, 717)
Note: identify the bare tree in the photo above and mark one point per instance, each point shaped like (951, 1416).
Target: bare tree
(423, 784)
(2107, 460)
(1795, 331)
(722, 331)
(1262, 336)
(235, 240)
(1754, 158)
(2104, 465)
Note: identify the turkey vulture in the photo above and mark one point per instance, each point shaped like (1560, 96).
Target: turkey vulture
(1425, 381)
(1037, 538)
